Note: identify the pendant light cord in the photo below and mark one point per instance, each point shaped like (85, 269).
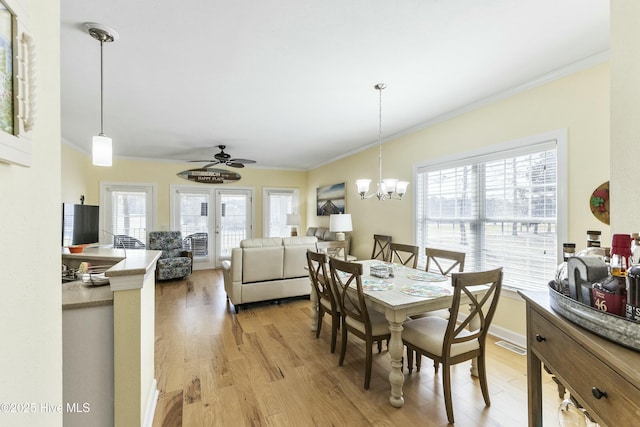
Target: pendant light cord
(101, 91)
(380, 87)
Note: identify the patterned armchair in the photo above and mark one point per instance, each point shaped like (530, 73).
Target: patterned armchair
(174, 261)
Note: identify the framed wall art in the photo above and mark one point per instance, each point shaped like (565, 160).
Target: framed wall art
(330, 199)
(17, 85)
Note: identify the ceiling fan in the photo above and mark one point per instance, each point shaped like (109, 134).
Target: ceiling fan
(224, 159)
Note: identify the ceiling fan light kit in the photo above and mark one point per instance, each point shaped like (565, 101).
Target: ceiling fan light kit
(102, 154)
(389, 188)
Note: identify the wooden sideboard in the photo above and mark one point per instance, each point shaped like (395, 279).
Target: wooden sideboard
(602, 376)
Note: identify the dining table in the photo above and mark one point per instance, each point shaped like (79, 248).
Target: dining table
(407, 292)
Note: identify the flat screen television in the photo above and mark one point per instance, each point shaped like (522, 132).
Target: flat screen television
(80, 224)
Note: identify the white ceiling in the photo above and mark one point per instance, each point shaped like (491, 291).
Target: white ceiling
(289, 83)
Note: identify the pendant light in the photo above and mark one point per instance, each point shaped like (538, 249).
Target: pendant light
(389, 188)
(101, 146)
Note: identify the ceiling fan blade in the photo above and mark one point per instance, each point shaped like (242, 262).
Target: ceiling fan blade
(211, 164)
(242, 161)
(234, 165)
(199, 161)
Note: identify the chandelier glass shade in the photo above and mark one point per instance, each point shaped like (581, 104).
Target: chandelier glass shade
(389, 188)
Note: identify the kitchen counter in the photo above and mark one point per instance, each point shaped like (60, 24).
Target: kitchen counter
(109, 339)
(77, 294)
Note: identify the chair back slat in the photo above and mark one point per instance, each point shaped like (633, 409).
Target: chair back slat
(444, 261)
(317, 263)
(381, 247)
(334, 248)
(404, 254)
(482, 306)
(347, 275)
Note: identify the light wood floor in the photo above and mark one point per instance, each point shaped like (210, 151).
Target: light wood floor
(265, 367)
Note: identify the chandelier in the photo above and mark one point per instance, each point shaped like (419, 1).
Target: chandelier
(389, 188)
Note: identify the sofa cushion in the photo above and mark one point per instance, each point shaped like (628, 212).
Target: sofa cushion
(261, 242)
(322, 233)
(262, 263)
(295, 255)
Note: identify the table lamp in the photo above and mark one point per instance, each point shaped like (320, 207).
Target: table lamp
(293, 220)
(340, 223)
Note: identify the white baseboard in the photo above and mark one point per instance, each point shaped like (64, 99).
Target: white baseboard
(152, 401)
(504, 334)
(507, 335)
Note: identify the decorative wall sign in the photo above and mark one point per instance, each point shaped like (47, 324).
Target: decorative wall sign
(209, 176)
(17, 85)
(330, 199)
(599, 203)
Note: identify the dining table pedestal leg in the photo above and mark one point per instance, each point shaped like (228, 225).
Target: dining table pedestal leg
(396, 377)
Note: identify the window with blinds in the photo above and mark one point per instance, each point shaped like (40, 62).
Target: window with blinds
(278, 202)
(127, 214)
(500, 208)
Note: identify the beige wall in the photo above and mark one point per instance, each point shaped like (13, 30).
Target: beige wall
(30, 307)
(75, 176)
(625, 111)
(163, 174)
(579, 103)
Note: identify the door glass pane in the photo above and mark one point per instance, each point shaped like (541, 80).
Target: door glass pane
(129, 218)
(194, 223)
(233, 221)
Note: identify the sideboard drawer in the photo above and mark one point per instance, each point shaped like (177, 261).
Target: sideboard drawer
(581, 371)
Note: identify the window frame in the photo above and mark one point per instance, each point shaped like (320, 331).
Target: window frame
(151, 190)
(511, 148)
(266, 206)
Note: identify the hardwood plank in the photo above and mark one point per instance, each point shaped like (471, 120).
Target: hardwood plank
(265, 367)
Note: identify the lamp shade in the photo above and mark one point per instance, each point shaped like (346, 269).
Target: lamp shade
(101, 150)
(293, 219)
(340, 222)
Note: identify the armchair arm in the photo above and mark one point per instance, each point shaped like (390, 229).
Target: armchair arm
(232, 274)
(188, 254)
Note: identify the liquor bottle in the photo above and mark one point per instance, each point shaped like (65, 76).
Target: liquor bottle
(611, 294)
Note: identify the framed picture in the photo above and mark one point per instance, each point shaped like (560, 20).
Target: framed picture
(330, 199)
(17, 85)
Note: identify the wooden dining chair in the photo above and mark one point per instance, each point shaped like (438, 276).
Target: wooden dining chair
(334, 248)
(444, 261)
(327, 302)
(370, 327)
(463, 336)
(441, 261)
(404, 254)
(381, 247)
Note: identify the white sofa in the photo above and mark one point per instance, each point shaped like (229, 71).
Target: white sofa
(268, 269)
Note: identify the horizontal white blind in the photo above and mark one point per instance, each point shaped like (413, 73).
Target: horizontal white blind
(501, 211)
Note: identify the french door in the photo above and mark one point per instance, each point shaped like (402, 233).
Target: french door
(211, 235)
